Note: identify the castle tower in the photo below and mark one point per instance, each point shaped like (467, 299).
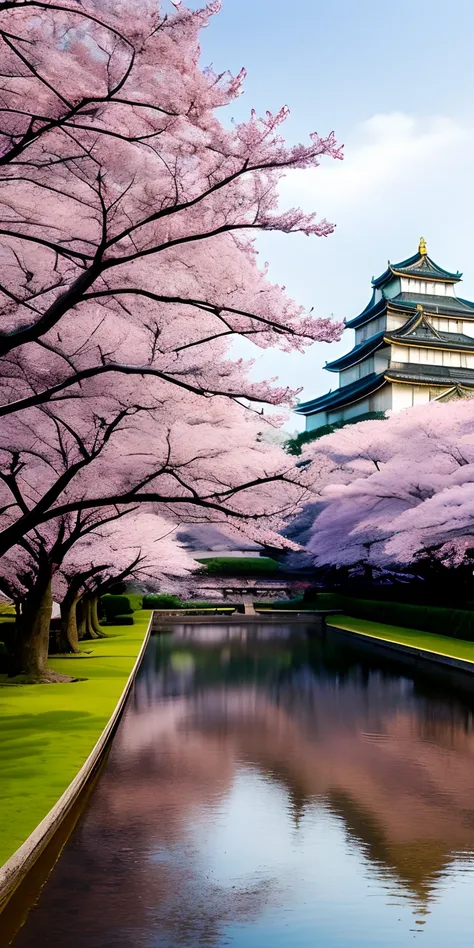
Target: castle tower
(414, 342)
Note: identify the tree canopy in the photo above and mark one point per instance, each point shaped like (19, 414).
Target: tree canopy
(127, 267)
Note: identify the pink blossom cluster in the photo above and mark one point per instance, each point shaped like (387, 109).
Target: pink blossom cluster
(127, 268)
(397, 490)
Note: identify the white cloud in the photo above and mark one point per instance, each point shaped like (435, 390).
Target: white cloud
(402, 176)
(387, 149)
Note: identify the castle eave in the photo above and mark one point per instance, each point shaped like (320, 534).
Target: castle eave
(370, 312)
(434, 305)
(455, 342)
(420, 331)
(357, 353)
(429, 374)
(345, 395)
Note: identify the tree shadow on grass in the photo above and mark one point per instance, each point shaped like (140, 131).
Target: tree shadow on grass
(65, 655)
(22, 680)
(25, 738)
(46, 721)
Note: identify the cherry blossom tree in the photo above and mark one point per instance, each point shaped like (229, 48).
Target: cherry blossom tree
(127, 267)
(141, 546)
(26, 575)
(180, 451)
(128, 210)
(128, 207)
(443, 526)
(396, 491)
(76, 559)
(191, 460)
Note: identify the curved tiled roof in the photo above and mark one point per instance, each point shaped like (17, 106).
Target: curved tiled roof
(371, 311)
(434, 304)
(343, 396)
(466, 302)
(419, 331)
(429, 374)
(419, 266)
(358, 353)
(456, 391)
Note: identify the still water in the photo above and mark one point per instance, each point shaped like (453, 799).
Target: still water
(269, 788)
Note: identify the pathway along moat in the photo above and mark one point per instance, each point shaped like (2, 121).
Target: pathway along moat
(270, 789)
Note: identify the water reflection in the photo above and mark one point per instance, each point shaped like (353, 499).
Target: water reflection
(267, 787)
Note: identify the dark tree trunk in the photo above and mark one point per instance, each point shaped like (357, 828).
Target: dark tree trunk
(87, 626)
(95, 618)
(32, 630)
(69, 634)
(32, 633)
(90, 631)
(81, 619)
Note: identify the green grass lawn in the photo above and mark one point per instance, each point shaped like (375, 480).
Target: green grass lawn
(426, 641)
(48, 731)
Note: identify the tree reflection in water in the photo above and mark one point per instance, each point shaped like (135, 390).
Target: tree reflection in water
(264, 781)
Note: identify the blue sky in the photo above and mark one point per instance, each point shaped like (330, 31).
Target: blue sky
(396, 83)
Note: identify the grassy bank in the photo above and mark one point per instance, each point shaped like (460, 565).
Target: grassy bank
(438, 620)
(426, 641)
(48, 731)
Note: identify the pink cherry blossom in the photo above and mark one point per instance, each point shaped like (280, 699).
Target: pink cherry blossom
(398, 490)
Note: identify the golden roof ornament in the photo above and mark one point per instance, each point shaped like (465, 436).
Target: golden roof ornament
(422, 247)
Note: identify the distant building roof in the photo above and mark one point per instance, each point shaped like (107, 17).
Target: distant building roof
(417, 330)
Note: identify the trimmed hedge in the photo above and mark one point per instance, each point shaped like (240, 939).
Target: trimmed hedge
(316, 601)
(281, 603)
(162, 601)
(4, 659)
(326, 600)
(115, 606)
(135, 600)
(240, 565)
(439, 620)
(167, 601)
(457, 623)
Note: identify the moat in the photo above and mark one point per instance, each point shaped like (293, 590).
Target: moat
(269, 787)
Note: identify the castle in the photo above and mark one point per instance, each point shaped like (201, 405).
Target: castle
(414, 342)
